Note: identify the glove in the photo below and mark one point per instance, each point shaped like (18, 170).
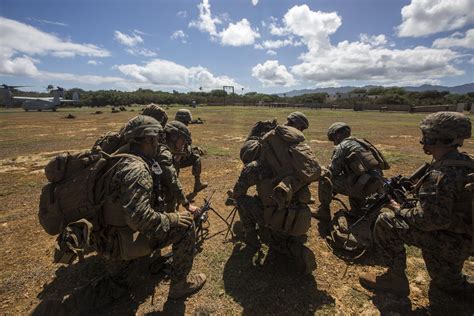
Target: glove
(180, 219)
(469, 183)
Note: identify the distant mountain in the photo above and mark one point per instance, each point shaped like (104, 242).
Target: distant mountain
(462, 89)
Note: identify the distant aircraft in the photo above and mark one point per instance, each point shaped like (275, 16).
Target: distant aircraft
(37, 103)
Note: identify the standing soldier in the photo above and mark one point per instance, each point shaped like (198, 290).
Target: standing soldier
(355, 170)
(190, 156)
(440, 223)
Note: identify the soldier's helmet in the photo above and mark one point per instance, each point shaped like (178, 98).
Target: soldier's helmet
(299, 119)
(178, 128)
(445, 128)
(336, 127)
(141, 126)
(157, 113)
(183, 116)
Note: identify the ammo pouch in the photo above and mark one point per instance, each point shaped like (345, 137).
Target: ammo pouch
(73, 241)
(361, 162)
(294, 220)
(132, 244)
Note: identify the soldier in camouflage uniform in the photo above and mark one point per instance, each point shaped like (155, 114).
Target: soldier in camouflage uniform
(440, 223)
(172, 191)
(190, 156)
(131, 228)
(340, 178)
(256, 211)
(297, 120)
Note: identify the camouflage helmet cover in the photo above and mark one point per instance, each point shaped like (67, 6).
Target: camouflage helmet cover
(448, 128)
(141, 126)
(157, 113)
(184, 116)
(299, 119)
(335, 127)
(176, 127)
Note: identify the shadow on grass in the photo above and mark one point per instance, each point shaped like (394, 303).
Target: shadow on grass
(272, 287)
(71, 280)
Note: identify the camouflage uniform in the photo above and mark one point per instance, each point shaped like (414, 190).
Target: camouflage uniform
(440, 225)
(172, 190)
(343, 179)
(190, 156)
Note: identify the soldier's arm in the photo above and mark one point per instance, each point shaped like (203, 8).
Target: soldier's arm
(337, 160)
(136, 186)
(249, 176)
(434, 208)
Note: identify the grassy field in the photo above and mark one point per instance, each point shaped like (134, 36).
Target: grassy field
(240, 281)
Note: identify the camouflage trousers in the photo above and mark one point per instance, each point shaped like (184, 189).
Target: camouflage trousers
(342, 185)
(192, 159)
(444, 252)
(250, 210)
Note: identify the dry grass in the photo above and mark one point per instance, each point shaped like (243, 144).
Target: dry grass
(240, 281)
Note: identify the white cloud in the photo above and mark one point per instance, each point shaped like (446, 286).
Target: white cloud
(371, 59)
(128, 40)
(169, 74)
(254, 2)
(81, 79)
(20, 41)
(136, 31)
(18, 37)
(135, 51)
(271, 73)
(271, 52)
(239, 34)
(276, 44)
(179, 34)
(471, 61)
(206, 23)
(94, 62)
(182, 14)
(456, 40)
(425, 17)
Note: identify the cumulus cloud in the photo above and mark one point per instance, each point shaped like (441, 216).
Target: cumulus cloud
(170, 74)
(271, 52)
(271, 73)
(425, 17)
(206, 22)
(456, 40)
(128, 40)
(22, 41)
(370, 59)
(254, 2)
(236, 34)
(239, 34)
(179, 35)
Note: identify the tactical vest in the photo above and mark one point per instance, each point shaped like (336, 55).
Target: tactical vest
(362, 161)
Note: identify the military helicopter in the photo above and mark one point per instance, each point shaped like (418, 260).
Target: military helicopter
(37, 103)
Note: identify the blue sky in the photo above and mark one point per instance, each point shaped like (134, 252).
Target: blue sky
(258, 45)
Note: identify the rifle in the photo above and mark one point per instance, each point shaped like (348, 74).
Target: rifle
(201, 221)
(396, 188)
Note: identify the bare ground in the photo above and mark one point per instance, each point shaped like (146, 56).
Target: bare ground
(240, 281)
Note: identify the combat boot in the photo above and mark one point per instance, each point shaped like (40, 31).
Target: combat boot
(186, 288)
(198, 185)
(395, 283)
(323, 213)
(309, 261)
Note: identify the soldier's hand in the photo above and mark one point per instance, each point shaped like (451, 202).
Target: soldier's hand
(192, 208)
(180, 219)
(393, 205)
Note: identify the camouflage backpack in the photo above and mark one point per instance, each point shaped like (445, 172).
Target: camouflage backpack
(71, 203)
(110, 142)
